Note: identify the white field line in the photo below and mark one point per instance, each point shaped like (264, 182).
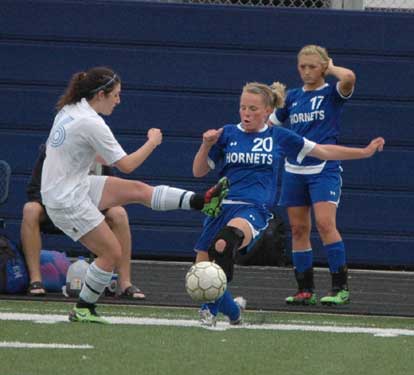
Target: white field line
(221, 326)
(36, 345)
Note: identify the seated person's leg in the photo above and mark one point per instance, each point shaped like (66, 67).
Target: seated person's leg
(33, 214)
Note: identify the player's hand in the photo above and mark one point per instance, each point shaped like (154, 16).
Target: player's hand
(376, 145)
(154, 136)
(210, 137)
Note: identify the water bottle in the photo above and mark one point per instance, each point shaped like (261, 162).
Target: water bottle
(75, 277)
(112, 287)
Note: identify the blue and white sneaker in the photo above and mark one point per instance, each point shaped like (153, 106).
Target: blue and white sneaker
(242, 303)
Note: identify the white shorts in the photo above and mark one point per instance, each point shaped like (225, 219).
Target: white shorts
(79, 220)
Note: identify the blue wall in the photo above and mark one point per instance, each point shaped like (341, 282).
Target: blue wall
(182, 68)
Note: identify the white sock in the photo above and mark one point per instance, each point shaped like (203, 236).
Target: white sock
(165, 198)
(96, 280)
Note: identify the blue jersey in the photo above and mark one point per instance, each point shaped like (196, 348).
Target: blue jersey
(251, 160)
(315, 115)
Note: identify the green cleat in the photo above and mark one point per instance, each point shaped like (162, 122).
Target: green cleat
(336, 297)
(302, 298)
(86, 315)
(214, 196)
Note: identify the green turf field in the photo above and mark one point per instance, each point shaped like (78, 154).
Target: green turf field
(144, 340)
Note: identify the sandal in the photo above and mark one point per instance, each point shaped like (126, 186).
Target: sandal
(36, 289)
(132, 293)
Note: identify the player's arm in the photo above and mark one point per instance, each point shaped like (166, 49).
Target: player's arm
(200, 163)
(346, 77)
(132, 161)
(334, 152)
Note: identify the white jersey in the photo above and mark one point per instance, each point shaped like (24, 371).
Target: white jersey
(78, 135)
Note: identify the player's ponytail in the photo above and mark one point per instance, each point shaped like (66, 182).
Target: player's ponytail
(88, 84)
(279, 93)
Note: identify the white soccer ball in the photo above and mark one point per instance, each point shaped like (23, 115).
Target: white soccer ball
(205, 282)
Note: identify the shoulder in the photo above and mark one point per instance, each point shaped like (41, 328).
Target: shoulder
(282, 134)
(230, 129)
(292, 93)
(93, 121)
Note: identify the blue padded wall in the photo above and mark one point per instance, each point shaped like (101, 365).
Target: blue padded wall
(182, 68)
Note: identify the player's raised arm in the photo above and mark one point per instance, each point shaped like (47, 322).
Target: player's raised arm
(200, 163)
(346, 77)
(334, 152)
(132, 161)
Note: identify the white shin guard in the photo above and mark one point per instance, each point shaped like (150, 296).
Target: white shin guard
(95, 282)
(166, 198)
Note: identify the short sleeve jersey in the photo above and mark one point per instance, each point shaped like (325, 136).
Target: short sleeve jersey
(251, 160)
(78, 135)
(315, 115)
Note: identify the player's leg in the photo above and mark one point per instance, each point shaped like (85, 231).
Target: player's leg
(33, 215)
(118, 192)
(325, 190)
(235, 228)
(234, 236)
(103, 243)
(325, 214)
(213, 233)
(85, 223)
(117, 219)
(302, 256)
(295, 197)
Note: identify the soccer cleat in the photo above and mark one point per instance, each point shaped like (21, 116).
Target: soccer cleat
(241, 302)
(207, 319)
(214, 197)
(86, 315)
(302, 298)
(336, 297)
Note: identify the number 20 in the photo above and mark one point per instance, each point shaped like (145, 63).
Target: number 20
(261, 144)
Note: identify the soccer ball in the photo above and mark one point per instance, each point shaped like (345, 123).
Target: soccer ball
(205, 282)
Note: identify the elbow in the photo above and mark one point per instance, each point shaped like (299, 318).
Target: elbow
(128, 170)
(125, 168)
(200, 172)
(351, 77)
(197, 173)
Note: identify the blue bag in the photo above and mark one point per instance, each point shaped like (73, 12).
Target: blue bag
(14, 277)
(53, 267)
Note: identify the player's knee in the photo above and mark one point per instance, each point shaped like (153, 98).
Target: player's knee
(228, 240)
(300, 231)
(32, 213)
(325, 226)
(220, 245)
(116, 216)
(224, 247)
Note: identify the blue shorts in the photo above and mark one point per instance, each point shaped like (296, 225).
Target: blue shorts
(305, 190)
(257, 216)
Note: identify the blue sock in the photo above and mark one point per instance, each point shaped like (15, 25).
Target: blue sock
(336, 256)
(302, 260)
(226, 305)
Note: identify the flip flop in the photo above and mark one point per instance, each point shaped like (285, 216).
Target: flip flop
(132, 293)
(36, 289)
